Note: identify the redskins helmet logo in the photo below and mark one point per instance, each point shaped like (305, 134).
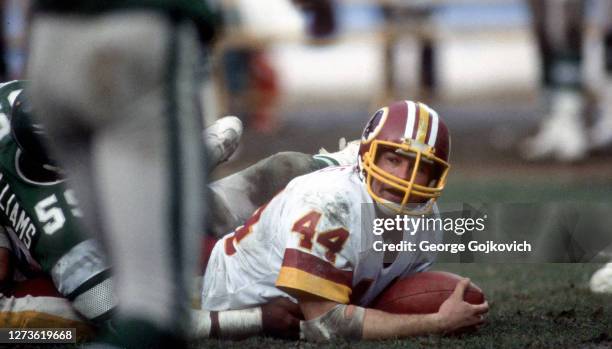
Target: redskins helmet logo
(375, 124)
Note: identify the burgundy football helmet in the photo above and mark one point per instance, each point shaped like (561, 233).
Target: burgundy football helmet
(416, 131)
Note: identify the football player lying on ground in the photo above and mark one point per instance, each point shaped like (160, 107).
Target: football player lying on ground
(39, 238)
(38, 233)
(39, 218)
(308, 244)
(33, 176)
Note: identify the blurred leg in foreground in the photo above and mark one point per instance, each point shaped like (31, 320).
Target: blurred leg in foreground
(559, 27)
(117, 92)
(601, 131)
(571, 128)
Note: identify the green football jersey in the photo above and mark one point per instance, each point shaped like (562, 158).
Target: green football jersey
(42, 220)
(43, 217)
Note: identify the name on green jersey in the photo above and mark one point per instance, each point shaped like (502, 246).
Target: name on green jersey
(48, 213)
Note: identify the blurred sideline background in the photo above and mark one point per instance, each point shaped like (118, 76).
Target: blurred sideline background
(301, 95)
(474, 61)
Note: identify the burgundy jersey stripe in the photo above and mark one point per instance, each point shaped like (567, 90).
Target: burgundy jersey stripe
(306, 262)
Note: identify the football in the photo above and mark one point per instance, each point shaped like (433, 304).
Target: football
(423, 293)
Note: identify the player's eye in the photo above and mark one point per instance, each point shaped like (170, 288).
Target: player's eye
(392, 159)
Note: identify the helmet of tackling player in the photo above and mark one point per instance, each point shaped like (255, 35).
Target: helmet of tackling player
(414, 130)
(29, 134)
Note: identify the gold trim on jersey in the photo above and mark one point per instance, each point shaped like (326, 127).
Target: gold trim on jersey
(296, 279)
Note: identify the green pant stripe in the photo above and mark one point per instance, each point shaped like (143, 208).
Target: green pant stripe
(185, 160)
(174, 153)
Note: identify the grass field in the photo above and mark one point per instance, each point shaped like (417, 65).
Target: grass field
(532, 306)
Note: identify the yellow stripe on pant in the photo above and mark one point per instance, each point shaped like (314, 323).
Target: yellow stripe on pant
(42, 312)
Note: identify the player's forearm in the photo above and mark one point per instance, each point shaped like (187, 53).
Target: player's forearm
(382, 325)
(328, 320)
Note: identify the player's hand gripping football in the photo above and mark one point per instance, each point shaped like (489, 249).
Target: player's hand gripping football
(456, 314)
(281, 318)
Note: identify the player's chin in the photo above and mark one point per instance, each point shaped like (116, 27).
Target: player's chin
(417, 200)
(393, 195)
(398, 198)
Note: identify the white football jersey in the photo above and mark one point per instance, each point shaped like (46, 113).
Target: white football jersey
(313, 237)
